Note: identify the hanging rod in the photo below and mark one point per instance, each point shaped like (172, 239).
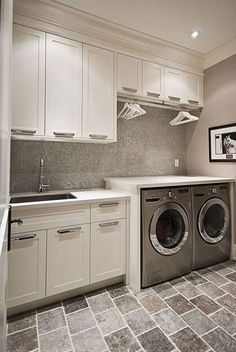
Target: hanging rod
(160, 104)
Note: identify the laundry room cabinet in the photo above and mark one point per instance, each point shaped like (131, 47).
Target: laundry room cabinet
(67, 258)
(153, 80)
(63, 87)
(28, 81)
(99, 94)
(107, 249)
(26, 268)
(129, 75)
(193, 89)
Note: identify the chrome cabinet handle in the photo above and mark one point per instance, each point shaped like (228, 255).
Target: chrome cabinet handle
(25, 132)
(69, 230)
(107, 224)
(18, 221)
(25, 237)
(193, 101)
(173, 98)
(133, 90)
(63, 134)
(98, 136)
(108, 205)
(153, 94)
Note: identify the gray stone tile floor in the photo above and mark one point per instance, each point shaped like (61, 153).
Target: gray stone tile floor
(196, 313)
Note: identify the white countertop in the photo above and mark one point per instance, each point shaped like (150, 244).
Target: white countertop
(83, 196)
(165, 181)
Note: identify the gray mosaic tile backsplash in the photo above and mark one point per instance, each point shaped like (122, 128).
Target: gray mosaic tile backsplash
(146, 146)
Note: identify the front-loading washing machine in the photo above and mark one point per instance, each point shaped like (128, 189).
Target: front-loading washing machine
(166, 236)
(211, 224)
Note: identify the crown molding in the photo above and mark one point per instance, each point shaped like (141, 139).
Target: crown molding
(53, 17)
(220, 53)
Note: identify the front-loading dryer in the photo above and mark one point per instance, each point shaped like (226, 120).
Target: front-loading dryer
(211, 224)
(166, 236)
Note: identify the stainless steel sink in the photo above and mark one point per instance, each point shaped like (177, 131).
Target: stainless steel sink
(41, 198)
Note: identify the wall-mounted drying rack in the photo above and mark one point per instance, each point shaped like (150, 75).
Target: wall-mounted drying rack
(158, 104)
(183, 117)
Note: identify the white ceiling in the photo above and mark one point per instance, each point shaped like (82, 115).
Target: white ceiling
(170, 20)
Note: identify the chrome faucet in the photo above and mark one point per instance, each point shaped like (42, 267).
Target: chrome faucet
(42, 187)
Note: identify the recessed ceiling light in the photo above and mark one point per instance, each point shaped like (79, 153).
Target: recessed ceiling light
(195, 34)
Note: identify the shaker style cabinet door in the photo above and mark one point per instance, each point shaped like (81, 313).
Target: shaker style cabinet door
(63, 87)
(99, 94)
(129, 75)
(28, 81)
(153, 80)
(26, 268)
(107, 249)
(67, 258)
(193, 89)
(174, 91)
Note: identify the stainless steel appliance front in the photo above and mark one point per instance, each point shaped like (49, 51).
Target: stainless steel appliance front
(166, 238)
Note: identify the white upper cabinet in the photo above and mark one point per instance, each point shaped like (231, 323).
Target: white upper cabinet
(153, 80)
(174, 90)
(63, 87)
(129, 71)
(28, 81)
(193, 89)
(99, 94)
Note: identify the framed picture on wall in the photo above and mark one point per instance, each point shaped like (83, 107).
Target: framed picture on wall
(222, 143)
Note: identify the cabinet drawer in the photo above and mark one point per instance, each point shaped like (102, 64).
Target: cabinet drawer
(108, 210)
(50, 217)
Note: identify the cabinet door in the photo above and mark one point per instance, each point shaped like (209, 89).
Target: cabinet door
(153, 80)
(99, 94)
(129, 71)
(67, 258)
(26, 268)
(63, 87)
(173, 85)
(193, 89)
(107, 249)
(28, 81)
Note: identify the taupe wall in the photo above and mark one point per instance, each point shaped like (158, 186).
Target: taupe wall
(146, 145)
(219, 109)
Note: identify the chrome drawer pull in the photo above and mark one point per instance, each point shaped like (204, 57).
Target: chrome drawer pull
(193, 101)
(73, 229)
(173, 98)
(98, 136)
(62, 134)
(108, 205)
(153, 94)
(107, 224)
(25, 132)
(23, 238)
(133, 90)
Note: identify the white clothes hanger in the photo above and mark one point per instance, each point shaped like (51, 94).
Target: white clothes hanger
(131, 110)
(183, 117)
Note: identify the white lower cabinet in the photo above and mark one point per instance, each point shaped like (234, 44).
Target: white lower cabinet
(26, 268)
(67, 258)
(107, 249)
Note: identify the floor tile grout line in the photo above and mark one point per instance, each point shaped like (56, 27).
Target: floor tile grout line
(68, 330)
(17, 331)
(37, 330)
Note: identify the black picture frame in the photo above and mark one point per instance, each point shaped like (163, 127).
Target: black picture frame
(222, 143)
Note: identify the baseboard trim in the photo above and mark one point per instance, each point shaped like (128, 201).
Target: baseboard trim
(233, 253)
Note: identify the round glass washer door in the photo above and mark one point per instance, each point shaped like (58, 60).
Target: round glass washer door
(213, 220)
(169, 229)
